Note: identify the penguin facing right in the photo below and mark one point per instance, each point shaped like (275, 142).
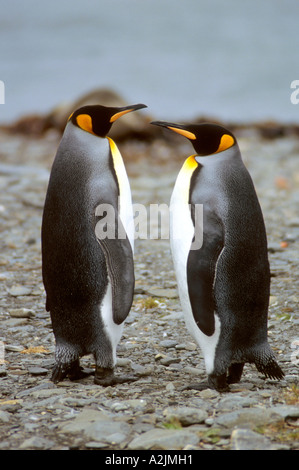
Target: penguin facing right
(220, 256)
(87, 245)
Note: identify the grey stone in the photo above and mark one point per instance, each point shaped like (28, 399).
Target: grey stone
(246, 439)
(21, 313)
(37, 371)
(235, 402)
(186, 415)
(286, 411)
(36, 442)
(17, 291)
(4, 416)
(164, 439)
(160, 292)
(247, 418)
(111, 432)
(97, 426)
(168, 343)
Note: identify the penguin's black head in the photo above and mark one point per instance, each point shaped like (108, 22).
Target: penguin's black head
(206, 138)
(97, 119)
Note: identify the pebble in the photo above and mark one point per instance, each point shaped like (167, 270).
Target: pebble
(245, 439)
(250, 417)
(164, 439)
(160, 292)
(156, 411)
(21, 313)
(19, 291)
(186, 415)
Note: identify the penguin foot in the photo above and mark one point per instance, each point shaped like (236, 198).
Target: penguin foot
(73, 372)
(235, 373)
(80, 373)
(106, 377)
(58, 373)
(218, 382)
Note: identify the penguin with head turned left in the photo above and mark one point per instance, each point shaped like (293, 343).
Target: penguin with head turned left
(87, 245)
(219, 249)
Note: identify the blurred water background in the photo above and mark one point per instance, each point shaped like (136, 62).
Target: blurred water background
(183, 58)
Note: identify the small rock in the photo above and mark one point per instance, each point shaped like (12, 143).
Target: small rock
(168, 343)
(36, 443)
(112, 432)
(166, 361)
(160, 292)
(193, 370)
(14, 348)
(4, 417)
(21, 313)
(136, 404)
(164, 439)
(287, 411)
(235, 402)
(245, 439)
(37, 371)
(186, 415)
(17, 291)
(123, 362)
(251, 417)
(187, 346)
(119, 406)
(170, 388)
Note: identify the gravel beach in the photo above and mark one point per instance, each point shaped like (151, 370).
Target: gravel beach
(156, 411)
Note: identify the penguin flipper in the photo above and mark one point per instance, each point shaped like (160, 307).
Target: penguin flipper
(119, 259)
(201, 270)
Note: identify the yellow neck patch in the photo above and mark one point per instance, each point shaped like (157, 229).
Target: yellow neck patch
(184, 178)
(84, 121)
(190, 164)
(118, 163)
(226, 142)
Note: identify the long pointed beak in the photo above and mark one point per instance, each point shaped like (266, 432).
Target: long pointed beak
(126, 109)
(178, 128)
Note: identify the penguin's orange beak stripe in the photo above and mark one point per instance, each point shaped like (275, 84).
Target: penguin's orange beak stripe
(121, 113)
(183, 132)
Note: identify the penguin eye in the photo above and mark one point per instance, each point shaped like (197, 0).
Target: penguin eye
(226, 142)
(84, 121)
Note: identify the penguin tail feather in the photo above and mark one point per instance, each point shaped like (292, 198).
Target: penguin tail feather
(266, 364)
(272, 370)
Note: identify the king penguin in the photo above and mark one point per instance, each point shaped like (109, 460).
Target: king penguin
(87, 268)
(219, 249)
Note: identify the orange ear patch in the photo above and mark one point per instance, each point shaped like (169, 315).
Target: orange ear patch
(84, 121)
(226, 142)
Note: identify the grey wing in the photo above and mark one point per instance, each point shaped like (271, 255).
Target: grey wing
(201, 269)
(119, 259)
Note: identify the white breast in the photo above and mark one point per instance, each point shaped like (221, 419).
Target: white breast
(181, 235)
(125, 197)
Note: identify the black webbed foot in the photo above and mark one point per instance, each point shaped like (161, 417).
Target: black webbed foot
(235, 373)
(73, 371)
